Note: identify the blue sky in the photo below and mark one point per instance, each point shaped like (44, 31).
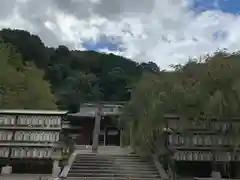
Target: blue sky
(131, 31)
(103, 42)
(228, 6)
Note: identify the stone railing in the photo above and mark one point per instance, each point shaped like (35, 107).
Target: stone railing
(159, 167)
(66, 169)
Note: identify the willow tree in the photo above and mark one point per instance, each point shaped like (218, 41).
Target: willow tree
(196, 90)
(143, 115)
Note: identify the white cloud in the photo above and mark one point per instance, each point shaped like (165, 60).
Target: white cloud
(163, 31)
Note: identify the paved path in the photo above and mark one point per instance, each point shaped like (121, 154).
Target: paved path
(24, 177)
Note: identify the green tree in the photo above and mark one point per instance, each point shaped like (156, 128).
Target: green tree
(37, 92)
(22, 86)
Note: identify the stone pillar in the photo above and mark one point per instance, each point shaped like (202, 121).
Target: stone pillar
(121, 138)
(56, 169)
(96, 130)
(105, 136)
(6, 170)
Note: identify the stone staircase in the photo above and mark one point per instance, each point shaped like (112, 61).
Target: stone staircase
(113, 164)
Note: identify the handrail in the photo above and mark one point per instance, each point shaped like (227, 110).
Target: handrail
(159, 167)
(66, 169)
(156, 162)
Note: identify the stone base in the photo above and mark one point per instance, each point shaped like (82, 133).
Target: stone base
(216, 175)
(56, 169)
(56, 172)
(6, 170)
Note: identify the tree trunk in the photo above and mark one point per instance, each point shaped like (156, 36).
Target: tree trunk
(97, 129)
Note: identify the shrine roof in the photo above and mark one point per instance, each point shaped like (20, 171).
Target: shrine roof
(82, 114)
(35, 112)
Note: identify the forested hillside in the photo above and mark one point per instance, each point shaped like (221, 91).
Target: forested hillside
(31, 71)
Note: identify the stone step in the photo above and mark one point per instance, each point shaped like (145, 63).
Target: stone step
(114, 171)
(144, 168)
(112, 175)
(112, 158)
(112, 164)
(105, 148)
(103, 152)
(110, 178)
(106, 161)
(91, 155)
(113, 161)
